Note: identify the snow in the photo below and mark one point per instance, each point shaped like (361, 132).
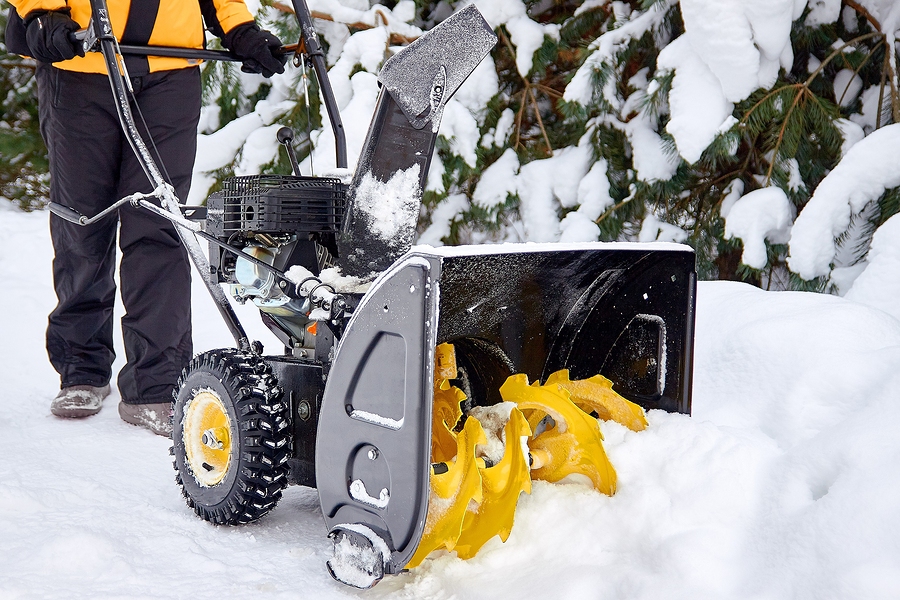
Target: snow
(526, 35)
(497, 181)
(729, 49)
(357, 565)
(763, 214)
(545, 185)
(359, 492)
(879, 284)
(506, 248)
(498, 135)
(493, 420)
(851, 132)
(581, 88)
(576, 227)
(261, 148)
(847, 86)
(356, 116)
(868, 118)
(823, 11)
(365, 49)
(782, 484)
(351, 12)
(740, 42)
(862, 176)
(593, 191)
(698, 104)
(389, 207)
(733, 193)
(460, 128)
(655, 230)
(479, 88)
(652, 161)
(442, 217)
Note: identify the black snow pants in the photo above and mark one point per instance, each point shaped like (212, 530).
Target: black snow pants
(91, 167)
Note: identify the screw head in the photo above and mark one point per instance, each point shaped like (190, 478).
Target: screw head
(304, 410)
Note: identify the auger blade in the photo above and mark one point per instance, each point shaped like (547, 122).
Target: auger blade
(596, 394)
(502, 484)
(451, 493)
(574, 445)
(446, 413)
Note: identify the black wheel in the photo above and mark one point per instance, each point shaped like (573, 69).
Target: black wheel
(231, 437)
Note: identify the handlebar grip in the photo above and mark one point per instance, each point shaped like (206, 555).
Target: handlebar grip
(69, 214)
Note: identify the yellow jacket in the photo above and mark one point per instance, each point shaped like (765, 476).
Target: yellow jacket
(174, 23)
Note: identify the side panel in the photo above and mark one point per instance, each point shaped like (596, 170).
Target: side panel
(303, 386)
(373, 448)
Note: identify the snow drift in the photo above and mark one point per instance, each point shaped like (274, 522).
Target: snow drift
(783, 484)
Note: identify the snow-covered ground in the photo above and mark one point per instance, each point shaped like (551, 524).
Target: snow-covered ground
(785, 482)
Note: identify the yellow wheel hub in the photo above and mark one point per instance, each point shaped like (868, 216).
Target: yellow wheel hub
(207, 438)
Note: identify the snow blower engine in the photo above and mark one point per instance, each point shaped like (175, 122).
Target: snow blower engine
(421, 389)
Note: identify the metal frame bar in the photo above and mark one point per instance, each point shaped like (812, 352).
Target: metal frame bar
(102, 30)
(317, 57)
(100, 37)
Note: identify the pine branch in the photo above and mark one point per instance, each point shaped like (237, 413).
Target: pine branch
(537, 113)
(858, 69)
(380, 20)
(18, 64)
(884, 71)
(838, 52)
(892, 76)
(527, 94)
(864, 12)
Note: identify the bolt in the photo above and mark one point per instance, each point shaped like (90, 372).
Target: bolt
(373, 453)
(304, 410)
(210, 440)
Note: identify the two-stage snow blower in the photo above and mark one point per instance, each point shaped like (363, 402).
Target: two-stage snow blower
(420, 389)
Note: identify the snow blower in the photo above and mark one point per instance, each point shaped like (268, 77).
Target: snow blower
(420, 389)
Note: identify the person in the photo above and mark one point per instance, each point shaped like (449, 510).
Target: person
(92, 166)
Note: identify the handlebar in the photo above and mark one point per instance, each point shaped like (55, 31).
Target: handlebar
(77, 37)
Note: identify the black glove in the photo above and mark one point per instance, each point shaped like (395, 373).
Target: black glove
(47, 35)
(256, 48)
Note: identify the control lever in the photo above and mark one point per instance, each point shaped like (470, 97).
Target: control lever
(285, 136)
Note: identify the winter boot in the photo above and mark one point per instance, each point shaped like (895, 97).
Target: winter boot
(155, 417)
(78, 401)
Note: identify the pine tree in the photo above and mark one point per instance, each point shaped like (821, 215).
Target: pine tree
(23, 158)
(580, 86)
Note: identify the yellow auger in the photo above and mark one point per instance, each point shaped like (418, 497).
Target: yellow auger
(501, 485)
(596, 394)
(539, 432)
(570, 444)
(451, 493)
